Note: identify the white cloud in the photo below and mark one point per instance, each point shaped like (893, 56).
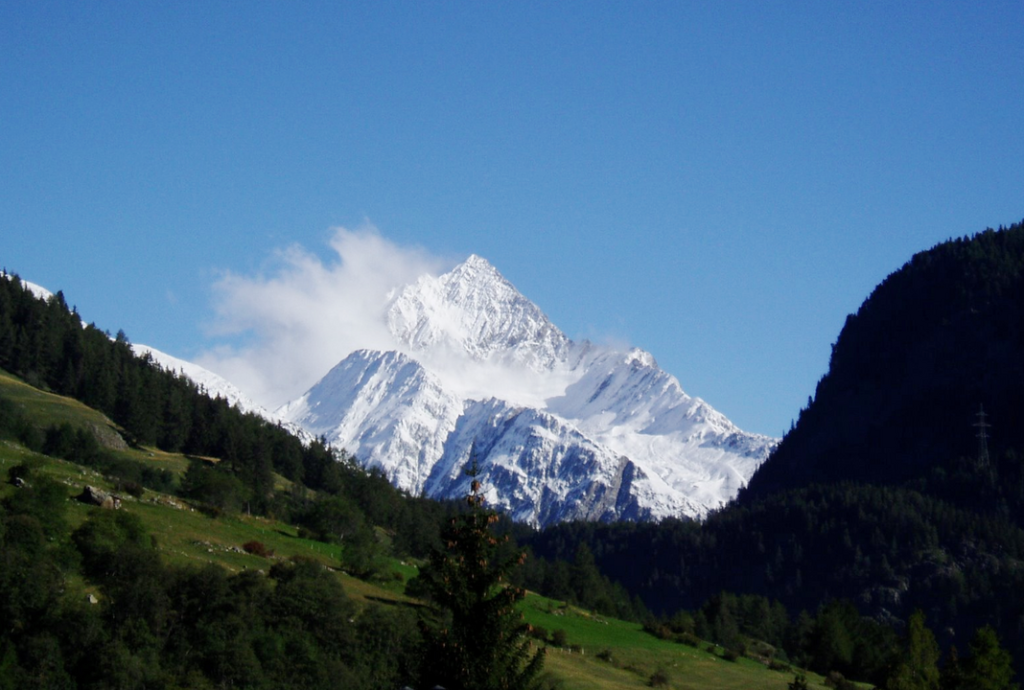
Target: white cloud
(283, 331)
(277, 333)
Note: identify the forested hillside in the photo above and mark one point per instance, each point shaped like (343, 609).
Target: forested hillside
(936, 343)
(883, 493)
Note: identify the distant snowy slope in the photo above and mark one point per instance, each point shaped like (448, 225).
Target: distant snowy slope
(541, 470)
(37, 290)
(624, 401)
(216, 386)
(384, 408)
(211, 383)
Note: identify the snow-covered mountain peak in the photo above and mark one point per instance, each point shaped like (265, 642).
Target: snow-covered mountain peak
(473, 310)
(562, 430)
(478, 265)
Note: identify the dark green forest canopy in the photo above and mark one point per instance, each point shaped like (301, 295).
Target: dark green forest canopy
(937, 341)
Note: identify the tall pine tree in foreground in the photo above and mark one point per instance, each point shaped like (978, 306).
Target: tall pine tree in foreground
(479, 640)
(917, 668)
(989, 667)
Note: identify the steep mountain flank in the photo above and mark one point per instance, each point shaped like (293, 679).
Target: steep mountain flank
(936, 343)
(883, 493)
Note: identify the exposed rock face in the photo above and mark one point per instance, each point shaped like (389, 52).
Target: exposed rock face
(99, 497)
(108, 437)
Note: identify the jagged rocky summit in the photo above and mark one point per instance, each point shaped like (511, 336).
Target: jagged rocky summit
(559, 430)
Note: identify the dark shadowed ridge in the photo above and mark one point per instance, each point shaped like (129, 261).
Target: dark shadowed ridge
(935, 343)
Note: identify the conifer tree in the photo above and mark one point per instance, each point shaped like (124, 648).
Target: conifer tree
(480, 641)
(989, 665)
(952, 676)
(918, 666)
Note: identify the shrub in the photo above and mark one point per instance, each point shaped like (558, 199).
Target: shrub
(799, 682)
(559, 638)
(539, 632)
(682, 622)
(22, 472)
(730, 654)
(688, 639)
(132, 489)
(256, 548)
(836, 680)
(659, 679)
(208, 510)
(659, 630)
(108, 539)
(213, 487)
(31, 437)
(363, 554)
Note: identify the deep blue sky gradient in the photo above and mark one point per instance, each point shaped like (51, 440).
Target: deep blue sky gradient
(717, 183)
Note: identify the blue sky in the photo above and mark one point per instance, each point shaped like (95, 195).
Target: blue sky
(717, 183)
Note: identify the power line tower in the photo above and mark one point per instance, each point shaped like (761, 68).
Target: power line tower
(982, 426)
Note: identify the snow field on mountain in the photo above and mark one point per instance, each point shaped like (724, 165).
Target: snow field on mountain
(559, 430)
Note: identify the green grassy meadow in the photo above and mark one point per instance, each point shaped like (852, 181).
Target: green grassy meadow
(605, 652)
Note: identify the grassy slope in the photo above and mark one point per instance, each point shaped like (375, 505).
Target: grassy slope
(186, 536)
(635, 656)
